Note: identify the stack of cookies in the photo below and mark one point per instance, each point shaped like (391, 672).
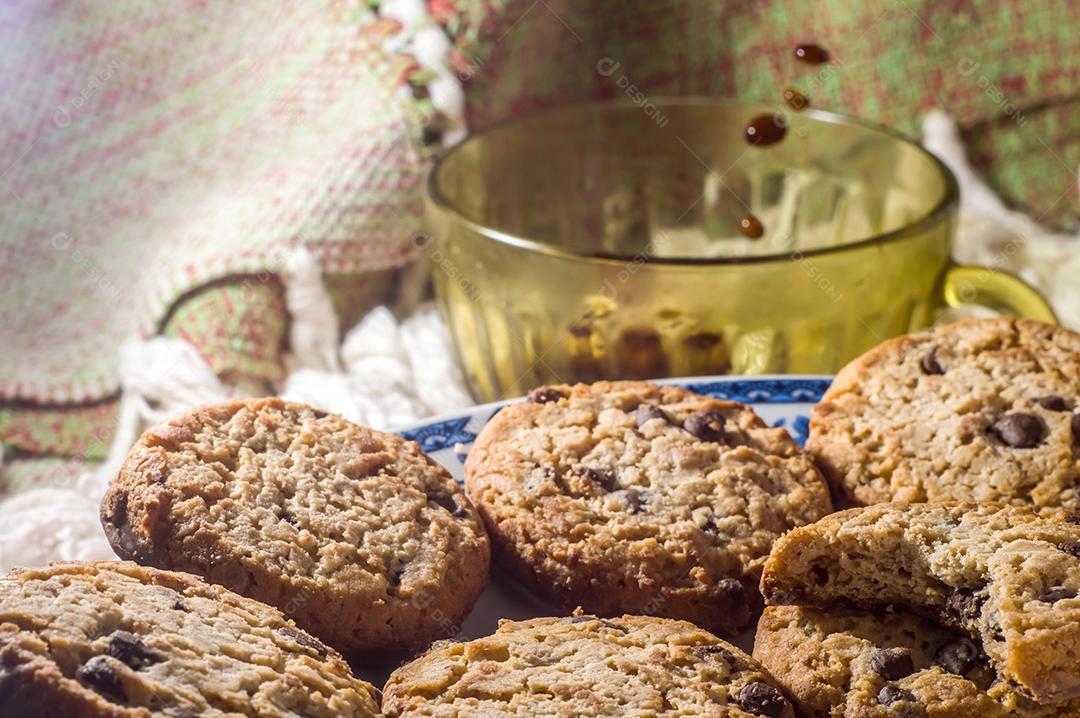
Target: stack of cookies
(953, 589)
(269, 542)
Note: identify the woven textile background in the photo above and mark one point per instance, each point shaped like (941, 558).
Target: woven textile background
(158, 160)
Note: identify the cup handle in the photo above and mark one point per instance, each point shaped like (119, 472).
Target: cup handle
(997, 290)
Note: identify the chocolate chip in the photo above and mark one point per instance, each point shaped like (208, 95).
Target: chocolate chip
(1073, 517)
(892, 664)
(583, 618)
(635, 500)
(891, 694)
(305, 640)
(718, 653)
(761, 699)
(614, 626)
(930, 364)
(1020, 431)
(450, 503)
(545, 394)
(1076, 428)
(965, 606)
(958, 656)
(1057, 593)
(1071, 547)
(603, 478)
(128, 649)
(648, 412)
(706, 425)
(1053, 403)
(733, 592)
(98, 673)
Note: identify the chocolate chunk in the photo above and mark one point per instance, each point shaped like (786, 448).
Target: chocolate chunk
(603, 478)
(718, 653)
(733, 592)
(891, 694)
(635, 500)
(892, 664)
(761, 699)
(706, 425)
(614, 626)
(766, 129)
(930, 364)
(958, 656)
(648, 412)
(1071, 547)
(1073, 517)
(811, 54)
(751, 227)
(1057, 593)
(583, 618)
(128, 649)
(965, 606)
(1053, 403)
(99, 674)
(1020, 431)
(545, 394)
(450, 503)
(304, 639)
(1076, 428)
(795, 99)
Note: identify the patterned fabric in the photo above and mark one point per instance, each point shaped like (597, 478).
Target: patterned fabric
(238, 325)
(147, 149)
(1006, 70)
(157, 160)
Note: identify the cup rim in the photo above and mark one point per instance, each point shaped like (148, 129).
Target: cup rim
(949, 198)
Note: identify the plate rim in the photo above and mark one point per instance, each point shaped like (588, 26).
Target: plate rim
(681, 380)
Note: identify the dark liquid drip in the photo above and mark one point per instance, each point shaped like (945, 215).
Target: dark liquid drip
(751, 226)
(795, 99)
(765, 130)
(811, 54)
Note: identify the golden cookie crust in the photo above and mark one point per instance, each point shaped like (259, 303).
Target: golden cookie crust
(845, 663)
(112, 639)
(1006, 575)
(586, 666)
(984, 410)
(628, 497)
(355, 534)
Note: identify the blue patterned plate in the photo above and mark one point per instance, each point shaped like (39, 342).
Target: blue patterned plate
(780, 400)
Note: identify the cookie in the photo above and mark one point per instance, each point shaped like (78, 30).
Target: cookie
(115, 640)
(356, 535)
(1005, 575)
(843, 663)
(984, 410)
(627, 497)
(586, 666)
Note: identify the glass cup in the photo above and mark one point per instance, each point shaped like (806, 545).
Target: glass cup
(606, 240)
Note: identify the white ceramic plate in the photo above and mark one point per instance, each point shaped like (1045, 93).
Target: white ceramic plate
(779, 400)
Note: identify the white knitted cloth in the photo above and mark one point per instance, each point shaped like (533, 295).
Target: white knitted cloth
(388, 374)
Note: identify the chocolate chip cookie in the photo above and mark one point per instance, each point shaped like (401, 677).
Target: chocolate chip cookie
(1005, 575)
(983, 410)
(586, 666)
(357, 535)
(115, 640)
(631, 497)
(842, 663)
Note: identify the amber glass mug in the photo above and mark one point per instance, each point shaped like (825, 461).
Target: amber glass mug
(611, 240)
